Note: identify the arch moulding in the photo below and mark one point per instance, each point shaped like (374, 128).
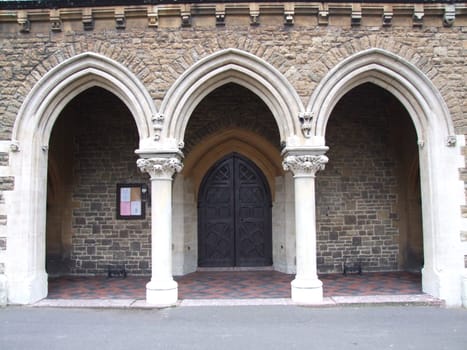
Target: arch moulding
(220, 68)
(247, 143)
(61, 84)
(405, 81)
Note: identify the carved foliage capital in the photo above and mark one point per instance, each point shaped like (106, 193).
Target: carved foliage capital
(304, 164)
(160, 167)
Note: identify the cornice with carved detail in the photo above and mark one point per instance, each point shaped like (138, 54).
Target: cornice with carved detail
(256, 11)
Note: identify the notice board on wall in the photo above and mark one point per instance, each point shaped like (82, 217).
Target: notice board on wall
(131, 202)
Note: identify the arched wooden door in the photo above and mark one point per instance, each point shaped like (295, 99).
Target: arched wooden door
(234, 215)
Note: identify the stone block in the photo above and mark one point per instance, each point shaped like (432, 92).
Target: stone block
(7, 183)
(356, 241)
(350, 219)
(135, 246)
(379, 230)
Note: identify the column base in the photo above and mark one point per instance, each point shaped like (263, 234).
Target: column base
(307, 291)
(3, 290)
(28, 289)
(464, 290)
(445, 285)
(162, 293)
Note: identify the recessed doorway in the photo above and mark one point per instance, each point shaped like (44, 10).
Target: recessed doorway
(234, 212)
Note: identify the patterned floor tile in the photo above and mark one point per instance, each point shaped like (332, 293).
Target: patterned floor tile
(234, 285)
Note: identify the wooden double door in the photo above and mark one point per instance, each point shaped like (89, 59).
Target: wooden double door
(234, 215)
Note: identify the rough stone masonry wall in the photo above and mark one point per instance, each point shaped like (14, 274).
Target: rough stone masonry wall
(357, 213)
(105, 141)
(304, 52)
(227, 107)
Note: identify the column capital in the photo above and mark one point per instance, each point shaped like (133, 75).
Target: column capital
(304, 164)
(160, 167)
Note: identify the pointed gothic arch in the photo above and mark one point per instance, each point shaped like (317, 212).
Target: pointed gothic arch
(29, 158)
(439, 153)
(405, 81)
(230, 66)
(61, 84)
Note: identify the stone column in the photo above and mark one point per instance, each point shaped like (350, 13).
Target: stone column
(306, 287)
(162, 289)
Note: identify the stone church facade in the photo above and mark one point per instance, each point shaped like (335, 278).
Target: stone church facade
(165, 137)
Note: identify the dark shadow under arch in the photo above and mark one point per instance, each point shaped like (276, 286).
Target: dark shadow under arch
(368, 202)
(92, 149)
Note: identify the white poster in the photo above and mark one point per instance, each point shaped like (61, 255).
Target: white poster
(125, 194)
(136, 208)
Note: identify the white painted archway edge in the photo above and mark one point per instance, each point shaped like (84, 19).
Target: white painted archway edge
(230, 66)
(391, 72)
(26, 209)
(61, 84)
(439, 150)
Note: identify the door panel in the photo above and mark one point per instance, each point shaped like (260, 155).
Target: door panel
(253, 216)
(215, 211)
(234, 215)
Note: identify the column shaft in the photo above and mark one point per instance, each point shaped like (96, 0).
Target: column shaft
(161, 224)
(306, 287)
(162, 289)
(305, 227)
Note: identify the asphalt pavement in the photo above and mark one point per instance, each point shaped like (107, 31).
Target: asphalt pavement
(235, 327)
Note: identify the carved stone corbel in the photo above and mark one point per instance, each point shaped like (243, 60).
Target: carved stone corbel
(185, 14)
(306, 119)
(418, 15)
(356, 15)
(387, 17)
(254, 14)
(120, 20)
(88, 20)
(289, 13)
(24, 22)
(14, 146)
(451, 141)
(157, 125)
(220, 15)
(153, 17)
(323, 15)
(449, 15)
(55, 21)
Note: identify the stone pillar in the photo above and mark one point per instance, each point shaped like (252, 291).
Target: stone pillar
(306, 287)
(3, 290)
(463, 290)
(162, 289)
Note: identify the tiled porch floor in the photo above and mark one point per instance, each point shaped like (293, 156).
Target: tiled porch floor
(234, 285)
